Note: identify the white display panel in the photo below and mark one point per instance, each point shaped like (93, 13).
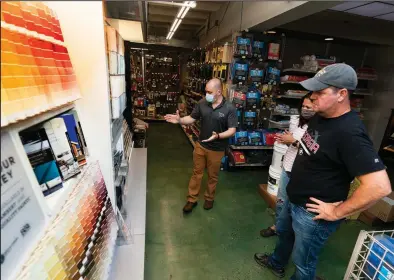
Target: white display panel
(22, 218)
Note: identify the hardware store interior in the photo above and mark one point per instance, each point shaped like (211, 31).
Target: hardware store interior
(130, 102)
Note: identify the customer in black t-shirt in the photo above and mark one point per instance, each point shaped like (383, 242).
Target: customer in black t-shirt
(334, 150)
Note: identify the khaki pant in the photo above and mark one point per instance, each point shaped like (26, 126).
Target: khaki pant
(204, 158)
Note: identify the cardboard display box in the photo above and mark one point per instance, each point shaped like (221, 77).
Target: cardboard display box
(383, 209)
(269, 198)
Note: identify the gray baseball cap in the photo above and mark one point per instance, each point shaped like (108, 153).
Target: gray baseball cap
(339, 75)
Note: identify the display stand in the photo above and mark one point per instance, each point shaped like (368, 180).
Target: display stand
(128, 262)
(81, 24)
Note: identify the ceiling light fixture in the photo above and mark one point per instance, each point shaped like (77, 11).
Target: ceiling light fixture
(181, 14)
(176, 27)
(271, 32)
(329, 39)
(186, 10)
(181, 11)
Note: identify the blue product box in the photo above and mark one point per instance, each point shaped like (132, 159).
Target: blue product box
(243, 45)
(241, 138)
(258, 49)
(273, 74)
(255, 138)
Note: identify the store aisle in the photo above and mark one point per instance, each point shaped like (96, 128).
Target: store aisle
(220, 243)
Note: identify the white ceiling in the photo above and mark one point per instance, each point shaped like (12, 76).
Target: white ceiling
(375, 9)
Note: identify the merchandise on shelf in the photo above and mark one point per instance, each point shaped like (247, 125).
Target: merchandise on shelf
(240, 72)
(56, 131)
(256, 76)
(269, 137)
(241, 138)
(258, 49)
(273, 75)
(243, 46)
(237, 157)
(42, 159)
(299, 93)
(255, 138)
(381, 258)
(252, 100)
(239, 99)
(367, 73)
(293, 78)
(250, 119)
(273, 51)
(74, 137)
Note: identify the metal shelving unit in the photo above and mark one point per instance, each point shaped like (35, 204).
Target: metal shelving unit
(234, 147)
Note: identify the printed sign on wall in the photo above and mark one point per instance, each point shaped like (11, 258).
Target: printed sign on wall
(22, 217)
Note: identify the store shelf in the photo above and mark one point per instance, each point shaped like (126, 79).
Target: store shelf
(249, 165)
(284, 115)
(251, 147)
(151, 119)
(297, 71)
(366, 79)
(290, 82)
(363, 92)
(289, 96)
(196, 94)
(279, 124)
(34, 120)
(128, 260)
(189, 137)
(195, 131)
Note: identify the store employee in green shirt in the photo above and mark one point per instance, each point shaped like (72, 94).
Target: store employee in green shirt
(218, 120)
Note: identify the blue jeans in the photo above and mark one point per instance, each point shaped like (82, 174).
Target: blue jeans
(299, 234)
(282, 201)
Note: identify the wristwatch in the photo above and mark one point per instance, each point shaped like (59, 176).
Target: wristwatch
(218, 136)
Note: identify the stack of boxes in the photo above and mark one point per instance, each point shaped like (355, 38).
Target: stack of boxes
(117, 71)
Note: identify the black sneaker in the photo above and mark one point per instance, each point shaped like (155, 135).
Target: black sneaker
(263, 260)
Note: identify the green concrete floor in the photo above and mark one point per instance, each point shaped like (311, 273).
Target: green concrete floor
(220, 243)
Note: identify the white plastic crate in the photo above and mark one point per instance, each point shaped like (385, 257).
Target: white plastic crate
(370, 257)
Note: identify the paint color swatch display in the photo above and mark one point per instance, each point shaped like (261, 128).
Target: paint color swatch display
(36, 71)
(80, 241)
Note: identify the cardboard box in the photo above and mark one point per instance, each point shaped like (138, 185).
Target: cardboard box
(369, 219)
(269, 198)
(384, 209)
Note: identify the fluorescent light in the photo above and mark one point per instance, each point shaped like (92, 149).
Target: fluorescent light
(329, 39)
(174, 24)
(181, 11)
(192, 4)
(172, 34)
(184, 14)
(271, 32)
(176, 27)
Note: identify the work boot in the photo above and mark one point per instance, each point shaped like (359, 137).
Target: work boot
(263, 260)
(208, 204)
(268, 232)
(189, 207)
